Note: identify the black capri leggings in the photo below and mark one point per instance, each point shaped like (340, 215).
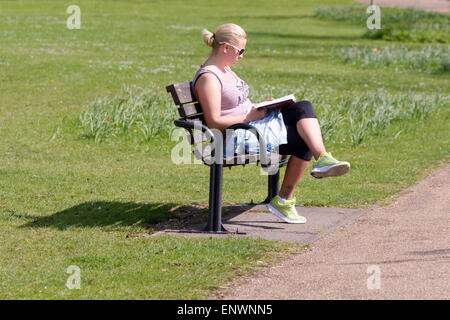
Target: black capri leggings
(295, 145)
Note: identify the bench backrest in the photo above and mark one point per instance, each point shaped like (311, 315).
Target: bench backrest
(190, 110)
(184, 98)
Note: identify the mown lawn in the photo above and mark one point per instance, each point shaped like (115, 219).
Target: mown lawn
(68, 200)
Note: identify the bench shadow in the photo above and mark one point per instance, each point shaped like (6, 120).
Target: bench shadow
(115, 215)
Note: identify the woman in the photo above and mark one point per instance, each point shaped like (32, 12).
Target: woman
(224, 99)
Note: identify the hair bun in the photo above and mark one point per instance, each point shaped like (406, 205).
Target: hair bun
(229, 33)
(208, 37)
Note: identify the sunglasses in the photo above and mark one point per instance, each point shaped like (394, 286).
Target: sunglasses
(240, 51)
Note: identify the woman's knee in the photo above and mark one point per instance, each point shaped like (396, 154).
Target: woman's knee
(307, 109)
(297, 111)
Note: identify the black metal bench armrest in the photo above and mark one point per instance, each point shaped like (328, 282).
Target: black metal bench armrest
(190, 125)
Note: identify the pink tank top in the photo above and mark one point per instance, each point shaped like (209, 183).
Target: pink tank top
(234, 95)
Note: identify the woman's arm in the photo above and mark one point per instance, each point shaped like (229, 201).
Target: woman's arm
(208, 90)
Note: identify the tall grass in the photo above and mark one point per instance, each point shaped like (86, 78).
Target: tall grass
(425, 59)
(137, 114)
(407, 25)
(355, 118)
(351, 118)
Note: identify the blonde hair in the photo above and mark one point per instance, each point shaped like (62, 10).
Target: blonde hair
(230, 33)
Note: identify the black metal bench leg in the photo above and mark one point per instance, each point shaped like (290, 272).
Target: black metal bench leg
(273, 186)
(218, 199)
(212, 179)
(215, 199)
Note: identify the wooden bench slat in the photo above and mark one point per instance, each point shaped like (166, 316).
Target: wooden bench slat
(188, 110)
(181, 92)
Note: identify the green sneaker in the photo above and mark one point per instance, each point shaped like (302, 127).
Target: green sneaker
(286, 212)
(327, 166)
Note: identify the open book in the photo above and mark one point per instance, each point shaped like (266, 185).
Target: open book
(277, 103)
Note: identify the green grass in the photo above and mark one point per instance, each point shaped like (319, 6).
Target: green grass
(135, 115)
(112, 266)
(67, 198)
(397, 24)
(425, 59)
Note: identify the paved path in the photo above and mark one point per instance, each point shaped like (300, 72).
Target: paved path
(399, 251)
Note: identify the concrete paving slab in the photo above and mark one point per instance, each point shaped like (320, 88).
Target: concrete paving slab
(260, 223)
(257, 222)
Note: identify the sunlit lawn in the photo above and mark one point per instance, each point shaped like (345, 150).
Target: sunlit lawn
(65, 200)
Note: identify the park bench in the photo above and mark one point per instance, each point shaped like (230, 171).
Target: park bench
(203, 141)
